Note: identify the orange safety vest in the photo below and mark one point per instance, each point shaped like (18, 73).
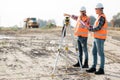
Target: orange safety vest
(101, 34)
(79, 30)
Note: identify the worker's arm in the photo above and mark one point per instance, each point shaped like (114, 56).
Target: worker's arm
(101, 23)
(72, 16)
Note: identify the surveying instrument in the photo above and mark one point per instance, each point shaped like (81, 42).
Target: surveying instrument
(64, 29)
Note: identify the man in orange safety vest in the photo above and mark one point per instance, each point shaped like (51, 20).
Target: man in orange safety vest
(99, 32)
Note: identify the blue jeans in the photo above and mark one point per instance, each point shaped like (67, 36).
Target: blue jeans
(82, 46)
(98, 47)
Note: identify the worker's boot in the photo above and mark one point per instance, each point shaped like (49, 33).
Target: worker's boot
(85, 64)
(91, 70)
(78, 64)
(100, 72)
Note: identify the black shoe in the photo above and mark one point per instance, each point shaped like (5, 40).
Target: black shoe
(85, 66)
(91, 70)
(100, 72)
(76, 65)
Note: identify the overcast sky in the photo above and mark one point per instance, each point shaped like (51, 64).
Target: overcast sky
(13, 12)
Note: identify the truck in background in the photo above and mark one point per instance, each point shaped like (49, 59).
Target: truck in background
(31, 23)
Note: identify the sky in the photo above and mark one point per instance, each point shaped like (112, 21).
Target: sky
(13, 12)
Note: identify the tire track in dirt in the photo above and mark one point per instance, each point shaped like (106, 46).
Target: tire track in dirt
(113, 57)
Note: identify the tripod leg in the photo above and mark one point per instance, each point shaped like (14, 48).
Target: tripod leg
(72, 36)
(56, 60)
(61, 41)
(66, 48)
(64, 30)
(79, 62)
(62, 37)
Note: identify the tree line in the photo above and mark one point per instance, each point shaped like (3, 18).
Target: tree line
(115, 22)
(44, 23)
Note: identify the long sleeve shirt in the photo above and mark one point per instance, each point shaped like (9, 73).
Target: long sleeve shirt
(74, 17)
(101, 23)
(84, 23)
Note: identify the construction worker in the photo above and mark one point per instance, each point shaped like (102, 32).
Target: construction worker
(99, 31)
(81, 32)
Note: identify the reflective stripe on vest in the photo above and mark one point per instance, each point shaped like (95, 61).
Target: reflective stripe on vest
(84, 33)
(104, 35)
(101, 34)
(81, 30)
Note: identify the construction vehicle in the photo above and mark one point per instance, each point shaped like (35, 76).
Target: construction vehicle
(31, 23)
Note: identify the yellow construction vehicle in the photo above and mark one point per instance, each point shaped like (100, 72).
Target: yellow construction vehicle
(31, 23)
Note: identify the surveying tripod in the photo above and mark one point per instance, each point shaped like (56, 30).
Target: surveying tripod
(64, 30)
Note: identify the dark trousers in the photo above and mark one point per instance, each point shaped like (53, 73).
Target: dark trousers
(82, 47)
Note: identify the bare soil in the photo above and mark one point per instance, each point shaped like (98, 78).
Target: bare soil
(30, 55)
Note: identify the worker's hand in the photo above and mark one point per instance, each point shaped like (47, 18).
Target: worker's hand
(67, 15)
(91, 29)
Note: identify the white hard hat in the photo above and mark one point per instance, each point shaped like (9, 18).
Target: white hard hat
(99, 5)
(83, 8)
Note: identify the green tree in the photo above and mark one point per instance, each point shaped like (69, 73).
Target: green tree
(51, 23)
(116, 20)
(42, 23)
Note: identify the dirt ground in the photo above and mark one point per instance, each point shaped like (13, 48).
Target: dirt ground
(30, 55)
